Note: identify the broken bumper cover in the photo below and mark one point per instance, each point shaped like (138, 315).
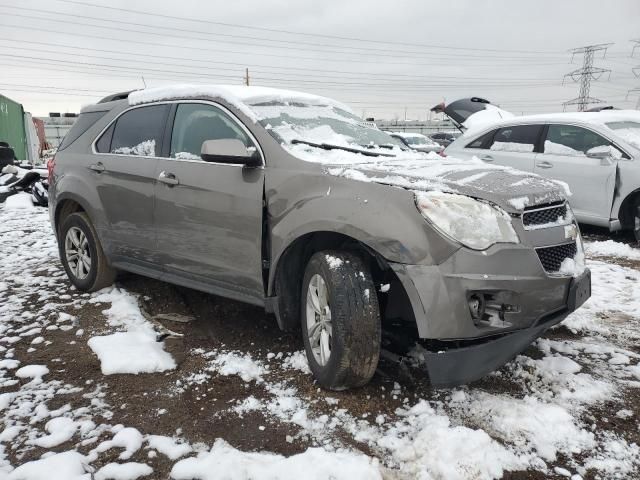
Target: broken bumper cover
(459, 365)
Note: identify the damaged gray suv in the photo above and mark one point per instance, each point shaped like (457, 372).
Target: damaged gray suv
(291, 202)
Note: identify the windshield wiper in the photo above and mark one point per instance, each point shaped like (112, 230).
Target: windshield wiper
(329, 146)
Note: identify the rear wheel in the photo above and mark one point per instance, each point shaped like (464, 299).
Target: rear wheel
(81, 254)
(340, 320)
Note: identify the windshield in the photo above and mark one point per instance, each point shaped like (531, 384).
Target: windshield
(627, 130)
(320, 124)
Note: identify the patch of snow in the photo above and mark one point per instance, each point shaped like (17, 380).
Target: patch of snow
(316, 463)
(170, 447)
(519, 203)
(60, 466)
(611, 248)
(123, 471)
(334, 262)
(32, 371)
(512, 147)
(146, 148)
(130, 352)
(297, 361)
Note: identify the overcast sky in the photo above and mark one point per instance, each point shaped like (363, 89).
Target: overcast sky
(382, 58)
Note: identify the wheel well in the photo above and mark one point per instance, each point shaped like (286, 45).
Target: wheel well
(627, 212)
(291, 266)
(64, 209)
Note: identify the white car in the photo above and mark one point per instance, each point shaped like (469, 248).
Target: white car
(596, 153)
(417, 141)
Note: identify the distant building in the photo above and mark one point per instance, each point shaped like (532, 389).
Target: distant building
(56, 126)
(416, 126)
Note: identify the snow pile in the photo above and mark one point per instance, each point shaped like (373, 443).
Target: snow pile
(135, 350)
(297, 361)
(485, 118)
(131, 352)
(316, 463)
(123, 471)
(238, 96)
(610, 248)
(19, 201)
(244, 366)
(60, 466)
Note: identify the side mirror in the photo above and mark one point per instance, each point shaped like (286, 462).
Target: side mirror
(606, 154)
(230, 150)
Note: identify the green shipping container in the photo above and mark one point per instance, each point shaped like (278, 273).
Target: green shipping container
(12, 126)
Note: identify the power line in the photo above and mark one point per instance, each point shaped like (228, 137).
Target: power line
(168, 33)
(358, 50)
(307, 34)
(317, 73)
(585, 74)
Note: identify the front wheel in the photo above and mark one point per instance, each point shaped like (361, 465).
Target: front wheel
(340, 320)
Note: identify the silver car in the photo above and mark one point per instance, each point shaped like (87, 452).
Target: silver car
(597, 154)
(290, 202)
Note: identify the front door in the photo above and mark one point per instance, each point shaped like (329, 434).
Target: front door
(591, 180)
(124, 172)
(208, 216)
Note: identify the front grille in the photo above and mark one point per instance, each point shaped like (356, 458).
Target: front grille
(542, 216)
(552, 257)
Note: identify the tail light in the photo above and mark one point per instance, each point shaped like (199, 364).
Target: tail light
(51, 163)
(442, 154)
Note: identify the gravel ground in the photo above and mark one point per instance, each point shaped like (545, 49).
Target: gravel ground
(569, 406)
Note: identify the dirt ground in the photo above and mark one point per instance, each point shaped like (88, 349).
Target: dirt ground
(163, 403)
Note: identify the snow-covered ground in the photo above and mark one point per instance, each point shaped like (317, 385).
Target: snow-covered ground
(72, 409)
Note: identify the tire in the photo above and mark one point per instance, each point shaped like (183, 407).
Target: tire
(636, 220)
(98, 274)
(354, 316)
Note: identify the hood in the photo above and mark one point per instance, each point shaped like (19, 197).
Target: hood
(511, 189)
(472, 113)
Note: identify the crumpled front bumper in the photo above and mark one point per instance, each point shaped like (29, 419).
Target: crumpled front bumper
(464, 351)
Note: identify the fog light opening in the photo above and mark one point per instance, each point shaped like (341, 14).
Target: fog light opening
(477, 306)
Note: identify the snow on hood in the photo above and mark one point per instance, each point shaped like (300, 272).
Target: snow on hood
(511, 189)
(239, 96)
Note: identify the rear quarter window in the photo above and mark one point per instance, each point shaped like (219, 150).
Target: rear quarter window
(81, 125)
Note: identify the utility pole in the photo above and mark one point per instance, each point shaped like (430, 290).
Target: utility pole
(246, 77)
(584, 75)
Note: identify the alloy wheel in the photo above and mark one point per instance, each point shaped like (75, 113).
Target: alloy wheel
(319, 329)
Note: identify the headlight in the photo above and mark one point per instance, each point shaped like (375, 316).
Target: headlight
(475, 224)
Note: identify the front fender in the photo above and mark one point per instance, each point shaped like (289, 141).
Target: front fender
(382, 217)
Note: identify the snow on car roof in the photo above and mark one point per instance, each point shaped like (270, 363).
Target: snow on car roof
(239, 96)
(582, 117)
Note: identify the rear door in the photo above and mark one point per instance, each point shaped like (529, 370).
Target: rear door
(592, 180)
(208, 216)
(513, 146)
(124, 171)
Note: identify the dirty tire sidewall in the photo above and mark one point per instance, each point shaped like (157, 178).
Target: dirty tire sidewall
(100, 274)
(636, 220)
(355, 318)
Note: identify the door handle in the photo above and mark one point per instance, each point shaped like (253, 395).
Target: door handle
(97, 167)
(544, 165)
(486, 158)
(168, 178)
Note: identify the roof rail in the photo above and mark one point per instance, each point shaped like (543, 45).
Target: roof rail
(116, 96)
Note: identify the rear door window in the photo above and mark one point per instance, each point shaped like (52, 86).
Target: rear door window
(139, 132)
(196, 123)
(571, 140)
(519, 138)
